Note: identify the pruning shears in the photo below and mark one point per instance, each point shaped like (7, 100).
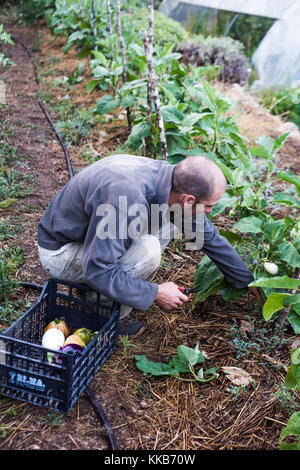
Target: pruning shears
(187, 290)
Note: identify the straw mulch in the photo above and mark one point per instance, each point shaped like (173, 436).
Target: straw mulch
(169, 414)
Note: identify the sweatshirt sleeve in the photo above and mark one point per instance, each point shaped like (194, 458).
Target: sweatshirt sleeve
(226, 258)
(101, 268)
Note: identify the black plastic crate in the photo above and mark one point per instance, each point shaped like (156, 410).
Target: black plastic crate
(26, 374)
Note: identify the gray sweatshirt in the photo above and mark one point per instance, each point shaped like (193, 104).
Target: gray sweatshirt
(73, 215)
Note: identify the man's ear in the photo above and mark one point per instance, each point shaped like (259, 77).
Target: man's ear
(188, 199)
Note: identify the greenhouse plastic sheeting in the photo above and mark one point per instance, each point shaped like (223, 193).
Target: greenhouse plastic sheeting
(277, 59)
(267, 8)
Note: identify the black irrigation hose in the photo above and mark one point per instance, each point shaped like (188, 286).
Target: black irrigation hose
(101, 415)
(30, 285)
(95, 404)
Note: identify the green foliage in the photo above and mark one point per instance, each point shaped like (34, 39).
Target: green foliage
(208, 280)
(183, 362)
(265, 238)
(33, 10)
(5, 38)
(224, 52)
(75, 125)
(291, 431)
(292, 379)
(282, 101)
(261, 337)
(287, 399)
(126, 343)
(166, 30)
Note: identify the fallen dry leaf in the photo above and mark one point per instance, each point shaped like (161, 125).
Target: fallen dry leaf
(237, 376)
(275, 362)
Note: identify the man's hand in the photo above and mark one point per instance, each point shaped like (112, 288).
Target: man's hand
(257, 294)
(169, 296)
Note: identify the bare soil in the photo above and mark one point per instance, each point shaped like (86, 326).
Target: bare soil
(161, 413)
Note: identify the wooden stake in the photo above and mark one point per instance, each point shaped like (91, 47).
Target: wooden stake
(155, 95)
(109, 25)
(94, 20)
(123, 49)
(152, 84)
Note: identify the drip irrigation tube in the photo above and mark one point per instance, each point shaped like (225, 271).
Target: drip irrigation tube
(101, 415)
(95, 404)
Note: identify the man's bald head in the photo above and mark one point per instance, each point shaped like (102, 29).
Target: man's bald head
(198, 176)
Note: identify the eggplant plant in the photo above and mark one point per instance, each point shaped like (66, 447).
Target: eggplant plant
(250, 175)
(260, 241)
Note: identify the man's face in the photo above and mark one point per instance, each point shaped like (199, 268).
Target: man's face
(187, 202)
(209, 204)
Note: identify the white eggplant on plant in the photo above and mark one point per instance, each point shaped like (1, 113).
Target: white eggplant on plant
(271, 268)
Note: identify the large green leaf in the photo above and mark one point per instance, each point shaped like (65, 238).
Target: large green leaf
(190, 120)
(294, 320)
(183, 361)
(292, 429)
(172, 114)
(260, 152)
(92, 85)
(293, 299)
(289, 254)
(229, 292)
(274, 230)
(223, 203)
(176, 143)
(267, 147)
(291, 178)
(279, 142)
(188, 355)
(154, 368)
(214, 287)
(249, 224)
(205, 274)
(277, 282)
(285, 198)
(292, 379)
(107, 103)
(225, 169)
(232, 237)
(128, 100)
(273, 304)
(138, 133)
